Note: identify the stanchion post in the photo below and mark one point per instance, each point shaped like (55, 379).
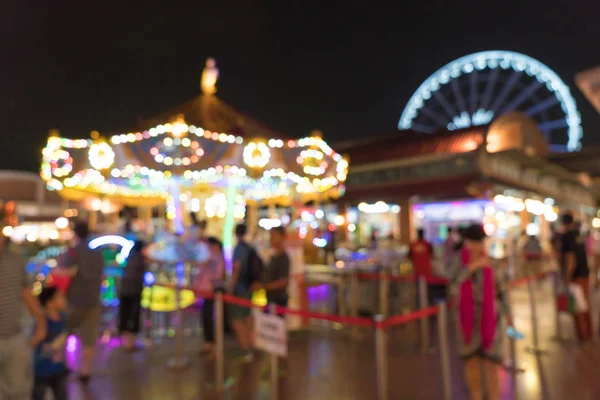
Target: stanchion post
(381, 354)
(423, 304)
(354, 300)
(555, 285)
(178, 361)
(384, 293)
(511, 364)
(274, 364)
(535, 348)
(148, 324)
(219, 339)
(444, 354)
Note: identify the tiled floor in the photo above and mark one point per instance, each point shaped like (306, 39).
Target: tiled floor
(328, 364)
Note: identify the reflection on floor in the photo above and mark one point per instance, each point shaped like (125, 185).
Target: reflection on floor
(327, 364)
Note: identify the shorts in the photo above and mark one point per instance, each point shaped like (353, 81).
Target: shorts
(237, 313)
(278, 302)
(129, 313)
(84, 323)
(16, 368)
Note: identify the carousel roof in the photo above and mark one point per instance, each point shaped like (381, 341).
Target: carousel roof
(213, 114)
(202, 144)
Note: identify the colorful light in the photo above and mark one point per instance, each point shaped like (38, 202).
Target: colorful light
(126, 245)
(101, 156)
(256, 155)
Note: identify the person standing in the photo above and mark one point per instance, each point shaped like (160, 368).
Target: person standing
(480, 344)
(131, 296)
(86, 266)
(575, 270)
(16, 377)
(421, 253)
(210, 279)
(244, 258)
(276, 275)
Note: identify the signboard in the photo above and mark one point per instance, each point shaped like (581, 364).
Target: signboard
(270, 333)
(447, 167)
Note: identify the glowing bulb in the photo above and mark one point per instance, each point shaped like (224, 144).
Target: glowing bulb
(61, 223)
(101, 156)
(7, 231)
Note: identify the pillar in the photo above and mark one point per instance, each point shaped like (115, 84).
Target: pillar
(343, 231)
(252, 218)
(406, 221)
(524, 220)
(92, 220)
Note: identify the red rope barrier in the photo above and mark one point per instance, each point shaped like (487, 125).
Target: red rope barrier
(406, 318)
(359, 321)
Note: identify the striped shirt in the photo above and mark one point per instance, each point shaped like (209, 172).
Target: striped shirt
(12, 280)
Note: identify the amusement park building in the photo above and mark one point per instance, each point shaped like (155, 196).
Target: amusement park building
(28, 191)
(408, 168)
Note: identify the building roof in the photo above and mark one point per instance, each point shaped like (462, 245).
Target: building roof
(586, 160)
(25, 186)
(589, 83)
(410, 144)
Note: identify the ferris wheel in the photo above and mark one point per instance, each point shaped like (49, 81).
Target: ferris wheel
(476, 88)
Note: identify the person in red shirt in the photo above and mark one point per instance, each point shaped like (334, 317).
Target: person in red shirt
(420, 254)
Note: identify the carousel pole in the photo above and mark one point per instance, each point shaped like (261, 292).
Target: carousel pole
(229, 223)
(175, 194)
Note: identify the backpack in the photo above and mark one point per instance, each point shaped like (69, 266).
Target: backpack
(255, 267)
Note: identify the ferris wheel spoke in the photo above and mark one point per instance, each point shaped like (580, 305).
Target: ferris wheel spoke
(458, 95)
(489, 88)
(434, 116)
(508, 87)
(447, 107)
(473, 92)
(551, 125)
(422, 128)
(524, 95)
(541, 106)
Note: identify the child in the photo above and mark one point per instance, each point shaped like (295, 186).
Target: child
(50, 368)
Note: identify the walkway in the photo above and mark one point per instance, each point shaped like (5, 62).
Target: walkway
(328, 364)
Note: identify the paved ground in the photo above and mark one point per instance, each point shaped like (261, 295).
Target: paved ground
(325, 363)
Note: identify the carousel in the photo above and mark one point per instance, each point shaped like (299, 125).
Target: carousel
(203, 158)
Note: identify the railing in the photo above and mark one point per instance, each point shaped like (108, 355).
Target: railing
(380, 324)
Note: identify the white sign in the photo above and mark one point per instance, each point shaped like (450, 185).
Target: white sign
(271, 333)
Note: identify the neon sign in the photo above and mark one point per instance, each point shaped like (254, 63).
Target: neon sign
(126, 244)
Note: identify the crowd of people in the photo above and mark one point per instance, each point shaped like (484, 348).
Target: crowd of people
(30, 365)
(478, 288)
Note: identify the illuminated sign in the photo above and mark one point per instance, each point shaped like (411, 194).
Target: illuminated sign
(126, 245)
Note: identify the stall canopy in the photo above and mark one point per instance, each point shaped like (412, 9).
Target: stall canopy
(202, 144)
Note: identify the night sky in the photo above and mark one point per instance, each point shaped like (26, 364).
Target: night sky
(347, 68)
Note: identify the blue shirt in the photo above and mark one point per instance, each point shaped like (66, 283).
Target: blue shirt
(50, 354)
(241, 253)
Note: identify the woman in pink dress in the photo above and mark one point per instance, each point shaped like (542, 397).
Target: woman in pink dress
(478, 312)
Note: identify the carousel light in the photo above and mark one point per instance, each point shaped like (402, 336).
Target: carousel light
(101, 156)
(339, 220)
(256, 155)
(351, 227)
